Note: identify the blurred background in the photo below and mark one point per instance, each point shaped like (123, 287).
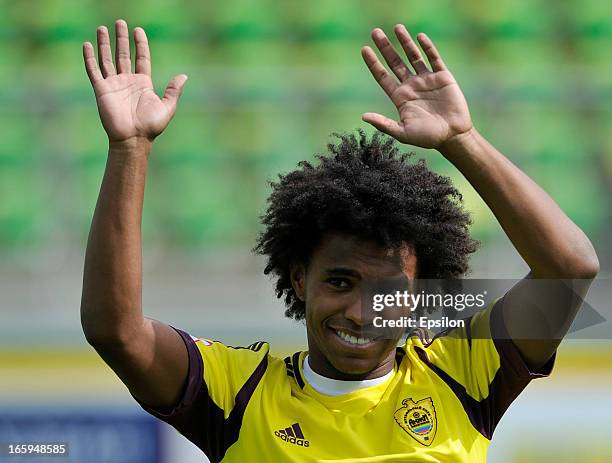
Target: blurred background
(269, 81)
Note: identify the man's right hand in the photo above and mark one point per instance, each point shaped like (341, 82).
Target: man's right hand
(127, 103)
(148, 356)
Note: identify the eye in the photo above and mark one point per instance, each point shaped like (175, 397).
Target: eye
(339, 283)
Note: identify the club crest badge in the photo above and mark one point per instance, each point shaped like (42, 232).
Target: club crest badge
(418, 419)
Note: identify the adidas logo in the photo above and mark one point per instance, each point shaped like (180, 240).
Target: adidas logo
(293, 435)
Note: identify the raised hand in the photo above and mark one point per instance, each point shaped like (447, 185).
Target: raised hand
(432, 109)
(127, 103)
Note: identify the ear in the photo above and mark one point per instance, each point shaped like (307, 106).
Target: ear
(298, 280)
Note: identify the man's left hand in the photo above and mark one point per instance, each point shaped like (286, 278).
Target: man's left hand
(432, 109)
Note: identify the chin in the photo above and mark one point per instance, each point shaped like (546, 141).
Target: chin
(354, 366)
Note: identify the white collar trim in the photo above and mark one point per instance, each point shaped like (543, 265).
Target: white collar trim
(333, 387)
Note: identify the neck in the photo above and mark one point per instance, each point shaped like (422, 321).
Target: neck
(320, 365)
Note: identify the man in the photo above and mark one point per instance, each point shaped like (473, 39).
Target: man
(362, 215)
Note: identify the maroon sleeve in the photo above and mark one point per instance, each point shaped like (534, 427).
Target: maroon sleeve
(197, 417)
(191, 388)
(514, 374)
(509, 354)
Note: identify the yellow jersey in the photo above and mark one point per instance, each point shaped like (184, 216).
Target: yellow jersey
(442, 404)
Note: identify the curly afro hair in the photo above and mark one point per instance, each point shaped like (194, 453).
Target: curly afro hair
(365, 188)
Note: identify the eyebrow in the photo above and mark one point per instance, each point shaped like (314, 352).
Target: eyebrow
(342, 271)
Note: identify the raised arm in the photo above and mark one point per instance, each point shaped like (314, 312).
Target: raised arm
(148, 356)
(433, 113)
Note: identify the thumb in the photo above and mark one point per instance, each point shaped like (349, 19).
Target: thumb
(173, 92)
(384, 124)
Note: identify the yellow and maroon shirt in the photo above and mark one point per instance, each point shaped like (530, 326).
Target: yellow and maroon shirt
(442, 403)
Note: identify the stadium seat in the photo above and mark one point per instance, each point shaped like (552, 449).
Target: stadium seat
(438, 19)
(245, 20)
(328, 21)
(160, 18)
(575, 187)
(52, 20)
(508, 18)
(591, 18)
(194, 205)
(25, 211)
(18, 138)
(269, 81)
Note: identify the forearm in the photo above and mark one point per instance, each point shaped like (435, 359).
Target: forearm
(551, 244)
(111, 305)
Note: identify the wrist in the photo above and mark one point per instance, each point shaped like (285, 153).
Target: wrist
(132, 145)
(459, 144)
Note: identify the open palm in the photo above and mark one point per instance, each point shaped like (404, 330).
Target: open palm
(127, 102)
(430, 104)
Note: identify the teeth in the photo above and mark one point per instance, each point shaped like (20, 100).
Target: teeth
(352, 339)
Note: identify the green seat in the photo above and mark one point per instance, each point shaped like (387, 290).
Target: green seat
(14, 55)
(160, 18)
(196, 206)
(54, 20)
(457, 54)
(190, 138)
(593, 57)
(57, 72)
(19, 138)
(439, 18)
(535, 132)
(238, 20)
(592, 18)
(338, 20)
(25, 213)
(521, 70)
(508, 19)
(572, 186)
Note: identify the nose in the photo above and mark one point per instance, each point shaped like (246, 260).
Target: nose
(357, 312)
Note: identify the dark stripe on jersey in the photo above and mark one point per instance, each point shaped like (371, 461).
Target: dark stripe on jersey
(232, 425)
(399, 355)
(256, 346)
(468, 331)
(476, 411)
(509, 380)
(288, 365)
(296, 370)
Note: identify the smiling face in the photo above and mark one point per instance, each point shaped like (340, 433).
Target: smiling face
(342, 341)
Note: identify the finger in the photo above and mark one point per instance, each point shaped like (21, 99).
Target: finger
(105, 55)
(380, 74)
(173, 92)
(384, 124)
(143, 56)
(411, 49)
(91, 66)
(122, 47)
(394, 61)
(437, 64)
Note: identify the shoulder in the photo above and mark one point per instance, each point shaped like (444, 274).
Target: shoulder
(477, 326)
(466, 354)
(226, 358)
